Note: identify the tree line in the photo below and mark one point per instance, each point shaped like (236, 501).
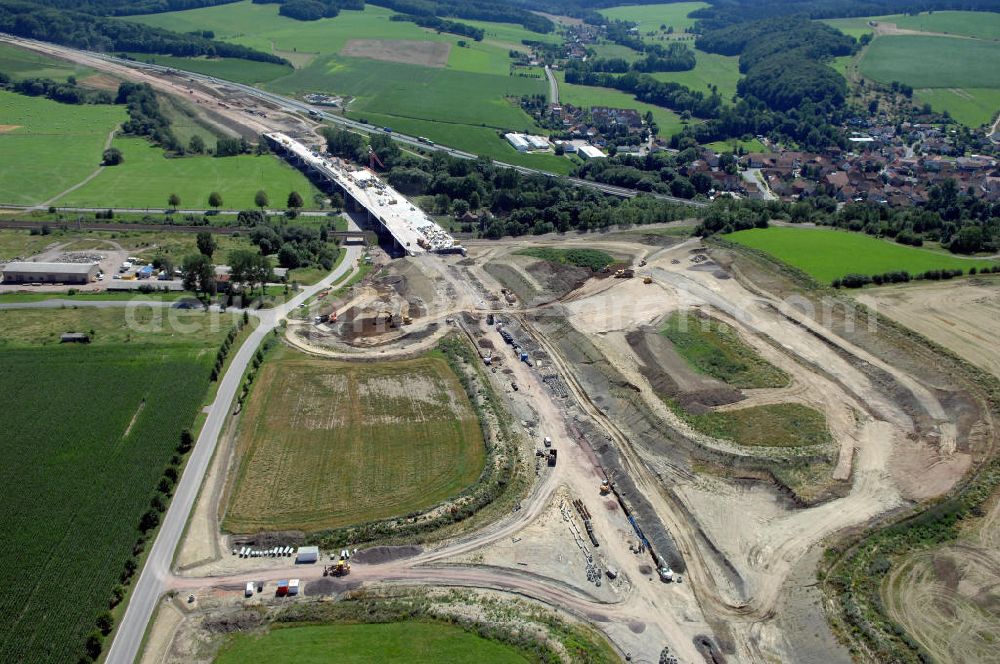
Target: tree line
(647, 89)
(67, 92)
(442, 25)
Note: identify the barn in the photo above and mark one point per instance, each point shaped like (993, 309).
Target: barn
(49, 273)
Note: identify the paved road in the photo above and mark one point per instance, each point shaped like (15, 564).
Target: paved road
(295, 106)
(553, 85)
(152, 580)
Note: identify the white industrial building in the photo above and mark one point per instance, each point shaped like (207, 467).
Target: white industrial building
(590, 152)
(526, 142)
(49, 273)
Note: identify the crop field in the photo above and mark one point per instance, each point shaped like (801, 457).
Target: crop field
(586, 95)
(651, 17)
(714, 348)
(87, 433)
(970, 106)
(325, 444)
(457, 104)
(933, 62)
(390, 643)
(147, 178)
(827, 254)
(981, 25)
(39, 133)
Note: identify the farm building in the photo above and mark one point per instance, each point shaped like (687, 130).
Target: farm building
(307, 554)
(590, 152)
(49, 273)
(518, 142)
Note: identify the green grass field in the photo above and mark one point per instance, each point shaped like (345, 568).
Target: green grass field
(827, 254)
(933, 62)
(21, 63)
(970, 106)
(388, 643)
(88, 432)
(715, 349)
(776, 425)
(732, 145)
(231, 69)
(38, 134)
(710, 69)
(147, 178)
(587, 96)
(651, 17)
(982, 25)
(589, 258)
(324, 445)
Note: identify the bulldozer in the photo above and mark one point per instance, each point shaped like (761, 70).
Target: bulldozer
(605, 488)
(647, 280)
(341, 568)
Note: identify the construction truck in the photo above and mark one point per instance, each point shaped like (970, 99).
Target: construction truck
(647, 280)
(605, 488)
(341, 568)
(626, 273)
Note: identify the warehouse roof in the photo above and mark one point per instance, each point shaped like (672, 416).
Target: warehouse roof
(45, 268)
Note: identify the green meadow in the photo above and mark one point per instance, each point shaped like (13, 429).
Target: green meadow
(147, 178)
(710, 69)
(651, 17)
(828, 254)
(38, 134)
(389, 643)
(970, 106)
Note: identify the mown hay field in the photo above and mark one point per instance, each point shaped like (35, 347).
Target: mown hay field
(326, 444)
(87, 433)
(47, 147)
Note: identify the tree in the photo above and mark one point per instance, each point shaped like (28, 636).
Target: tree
(112, 157)
(173, 201)
(198, 274)
(105, 622)
(215, 200)
(94, 645)
(288, 257)
(260, 200)
(294, 200)
(206, 243)
(459, 206)
(196, 144)
(248, 269)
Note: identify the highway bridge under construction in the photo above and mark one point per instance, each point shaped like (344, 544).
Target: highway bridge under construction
(398, 222)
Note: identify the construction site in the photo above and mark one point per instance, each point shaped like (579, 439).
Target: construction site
(673, 539)
(597, 460)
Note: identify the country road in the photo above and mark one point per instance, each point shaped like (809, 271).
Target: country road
(553, 85)
(156, 571)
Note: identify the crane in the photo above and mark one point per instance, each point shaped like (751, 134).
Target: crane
(373, 159)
